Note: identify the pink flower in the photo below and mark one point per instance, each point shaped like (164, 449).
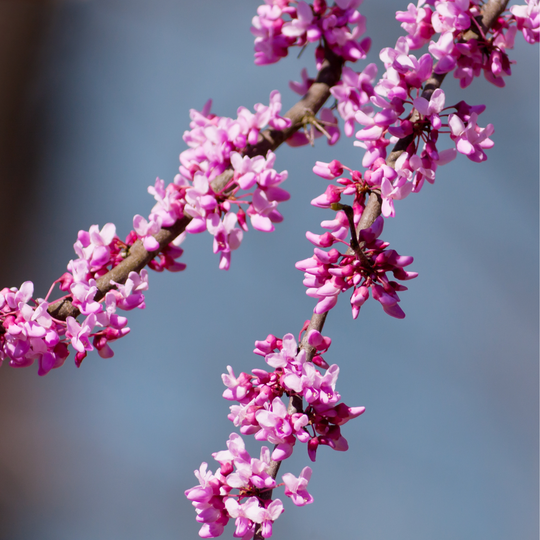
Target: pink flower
(168, 207)
(129, 295)
(353, 93)
(244, 526)
(83, 297)
(274, 423)
(247, 169)
(227, 237)
(80, 333)
(296, 488)
(443, 52)
(451, 16)
(93, 245)
(416, 21)
(199, 201)
(236, 451)
(432, 108)
(263, 212)
(471, 139)
(304, 86)
(265, 516)
(237, 388)
(302, 24)
(528, 20)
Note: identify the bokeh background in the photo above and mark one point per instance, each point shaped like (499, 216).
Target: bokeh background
(94, 99)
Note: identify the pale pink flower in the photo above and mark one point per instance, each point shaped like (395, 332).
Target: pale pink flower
(265, 516)
(471, 139)
(528, 20)
(304, 86)
(227, 237)
(244, 526)
(80, 333)
(93, 245)
(432, 108)
(296, 488)
(302, 24)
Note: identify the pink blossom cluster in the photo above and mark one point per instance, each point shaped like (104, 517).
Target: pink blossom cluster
(397, 92)
(404, 113)
(280, 24)
(215, 145)
(353, 93)
(451, 19)
(528, 20)
(262, 413)
(399, 88)
(99, 251)
(216, 501)
(329, 273)
(411, 170)
(31, 334)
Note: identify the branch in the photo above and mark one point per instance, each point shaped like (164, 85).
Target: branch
(491, 12)
(295, 404)
(372, 211)
(270, 139)
(318, 93)
(137, 259)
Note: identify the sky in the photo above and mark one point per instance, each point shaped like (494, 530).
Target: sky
(448, 446)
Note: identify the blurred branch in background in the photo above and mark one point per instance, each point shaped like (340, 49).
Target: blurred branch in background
(22, 29)
(23, 26)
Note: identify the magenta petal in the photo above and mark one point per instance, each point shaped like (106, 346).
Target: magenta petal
(277, 194)
(46, 363)
(394, 311)
(150, 243)
(196, 225)
(326, 304)
(282, 451)
(262, 223)
(297, 139)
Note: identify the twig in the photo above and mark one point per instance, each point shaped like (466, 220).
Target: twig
(270, 139)
(372, 211)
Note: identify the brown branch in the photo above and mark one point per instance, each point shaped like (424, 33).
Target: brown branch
(491, 12)
(319, 92)
(270, 139)
(371, 212)
(295, 404)
(137, 259)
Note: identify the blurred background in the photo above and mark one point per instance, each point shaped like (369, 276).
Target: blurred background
(94, 99)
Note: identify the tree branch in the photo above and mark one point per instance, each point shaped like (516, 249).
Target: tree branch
(491, 12)
(372, 211)
(269, 139)
(295, 403)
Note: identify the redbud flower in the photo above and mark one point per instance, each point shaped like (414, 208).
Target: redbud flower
(296, 488)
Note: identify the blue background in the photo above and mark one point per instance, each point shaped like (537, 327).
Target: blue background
(448, 446)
